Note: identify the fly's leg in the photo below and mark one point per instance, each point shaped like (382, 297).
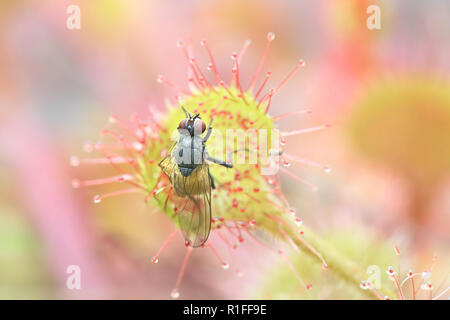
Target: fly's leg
(221, 162)
(224, 163)
(208, 133)
(211, 178)
(213, 185)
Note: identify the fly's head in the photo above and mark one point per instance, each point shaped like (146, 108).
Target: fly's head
(192, 125)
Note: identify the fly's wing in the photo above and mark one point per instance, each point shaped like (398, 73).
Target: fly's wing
(168, 164)
(194, 215)
(192, 198)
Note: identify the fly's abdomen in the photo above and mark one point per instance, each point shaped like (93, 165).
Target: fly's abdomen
(186, 170)
(197, 182)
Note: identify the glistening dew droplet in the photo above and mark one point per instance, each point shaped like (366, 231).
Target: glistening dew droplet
(76, 183)
(97, 199)
(175, 294)
(74, 161)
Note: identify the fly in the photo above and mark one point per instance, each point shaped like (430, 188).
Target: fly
(187, 167)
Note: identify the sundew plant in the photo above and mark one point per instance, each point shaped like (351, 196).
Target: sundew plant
(248, 199)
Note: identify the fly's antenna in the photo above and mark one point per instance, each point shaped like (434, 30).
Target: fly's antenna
(188, 115)
(196, 116)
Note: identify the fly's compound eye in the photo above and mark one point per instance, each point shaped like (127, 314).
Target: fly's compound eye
(182, 124)
(199, 126)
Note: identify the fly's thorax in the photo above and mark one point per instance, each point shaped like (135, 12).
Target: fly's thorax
(189, 150)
